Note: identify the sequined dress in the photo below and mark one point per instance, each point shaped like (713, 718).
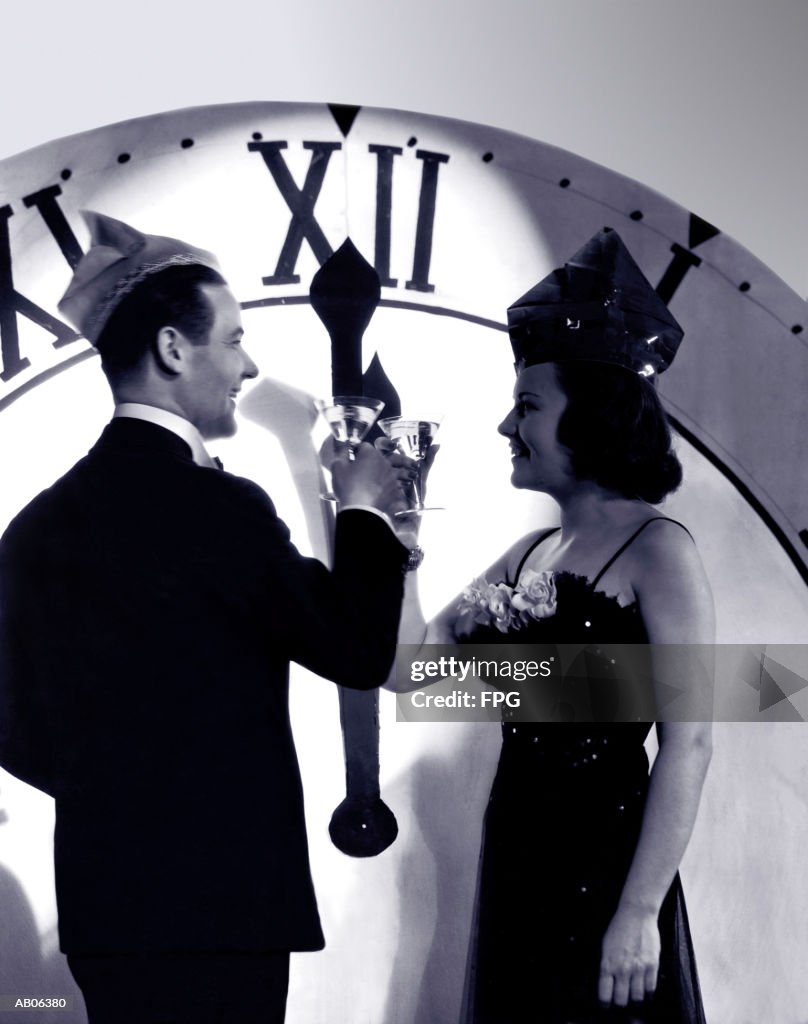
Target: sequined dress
(560, 831)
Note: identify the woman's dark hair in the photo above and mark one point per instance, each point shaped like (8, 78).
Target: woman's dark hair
(171, 297)
(616, 431)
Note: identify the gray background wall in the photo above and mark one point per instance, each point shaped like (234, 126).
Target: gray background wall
(702, 101)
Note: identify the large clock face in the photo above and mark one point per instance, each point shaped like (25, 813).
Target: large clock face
(458, 221)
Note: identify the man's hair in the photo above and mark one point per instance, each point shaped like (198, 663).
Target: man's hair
(616, 431)
(168, 298)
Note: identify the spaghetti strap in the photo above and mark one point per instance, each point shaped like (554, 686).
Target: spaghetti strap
(631, 539)
(531, 549)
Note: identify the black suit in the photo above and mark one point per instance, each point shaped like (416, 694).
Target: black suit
(150, 611)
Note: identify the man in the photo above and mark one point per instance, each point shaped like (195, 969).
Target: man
(150, 606)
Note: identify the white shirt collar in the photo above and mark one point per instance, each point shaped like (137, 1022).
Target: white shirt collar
(171, 421)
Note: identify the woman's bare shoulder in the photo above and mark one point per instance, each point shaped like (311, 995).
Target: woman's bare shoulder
(512, 558)
(668, 576)
(663, 538)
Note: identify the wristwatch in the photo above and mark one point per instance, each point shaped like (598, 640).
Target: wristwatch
(415, 559)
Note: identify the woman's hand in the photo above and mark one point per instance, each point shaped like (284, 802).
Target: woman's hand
(629, 957)
(390, 449)
(407, 527)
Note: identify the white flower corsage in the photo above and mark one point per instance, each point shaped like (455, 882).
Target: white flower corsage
(509, 608)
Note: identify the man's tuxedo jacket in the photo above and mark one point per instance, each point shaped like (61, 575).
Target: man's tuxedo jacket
(150, 609)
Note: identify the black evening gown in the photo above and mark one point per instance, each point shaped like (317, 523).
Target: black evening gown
(560, 831)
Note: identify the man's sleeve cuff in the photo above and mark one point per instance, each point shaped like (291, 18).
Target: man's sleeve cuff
(370, 508)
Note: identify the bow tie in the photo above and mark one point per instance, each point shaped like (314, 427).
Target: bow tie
(217, 462)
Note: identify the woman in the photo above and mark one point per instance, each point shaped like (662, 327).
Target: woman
(580, 915)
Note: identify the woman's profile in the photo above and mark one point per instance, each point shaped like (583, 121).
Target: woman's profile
(580, 916)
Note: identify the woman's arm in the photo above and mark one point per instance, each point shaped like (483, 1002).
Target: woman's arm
(444, 627)
(677, 610)
(631, 945)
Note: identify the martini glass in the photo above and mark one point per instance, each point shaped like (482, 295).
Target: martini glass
(350, 417)
(412, 438)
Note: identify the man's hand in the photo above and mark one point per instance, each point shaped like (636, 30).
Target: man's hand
(371, 479)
